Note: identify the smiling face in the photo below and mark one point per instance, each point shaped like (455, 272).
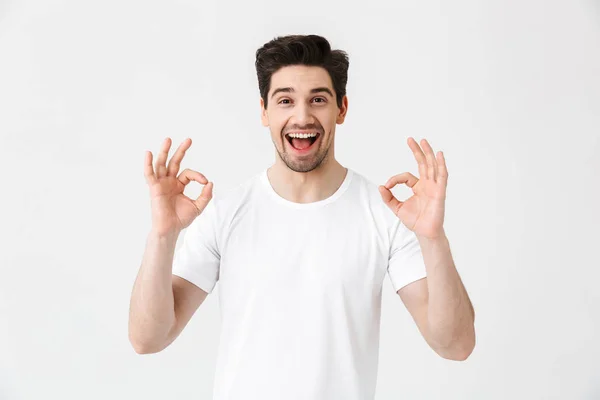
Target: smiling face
(302, 102)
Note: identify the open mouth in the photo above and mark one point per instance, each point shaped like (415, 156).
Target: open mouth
(302, 144)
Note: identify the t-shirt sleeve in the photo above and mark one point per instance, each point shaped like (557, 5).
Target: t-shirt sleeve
(406, 263)
(198, 259)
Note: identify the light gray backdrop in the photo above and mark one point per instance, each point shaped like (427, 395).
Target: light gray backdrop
(509, 90)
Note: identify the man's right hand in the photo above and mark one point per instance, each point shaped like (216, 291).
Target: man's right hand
(172, 211)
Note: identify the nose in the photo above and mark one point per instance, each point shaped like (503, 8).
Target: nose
(303, 115)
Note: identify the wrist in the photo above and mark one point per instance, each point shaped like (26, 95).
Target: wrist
(163, 235)
(439, 239)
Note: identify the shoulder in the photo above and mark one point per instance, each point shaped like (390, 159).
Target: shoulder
(367, 192)
(228, 202)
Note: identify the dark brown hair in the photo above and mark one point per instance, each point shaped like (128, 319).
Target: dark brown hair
(310, 50)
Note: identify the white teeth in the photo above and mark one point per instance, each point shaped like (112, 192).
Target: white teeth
(302, 135)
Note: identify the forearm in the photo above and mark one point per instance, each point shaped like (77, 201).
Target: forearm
(450, 312)
(152, 311)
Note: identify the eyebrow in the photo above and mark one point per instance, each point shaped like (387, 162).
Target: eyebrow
(291, 90)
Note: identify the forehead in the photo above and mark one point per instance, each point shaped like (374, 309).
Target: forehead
(301, 78)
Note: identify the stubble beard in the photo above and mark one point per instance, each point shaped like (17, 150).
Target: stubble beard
(304, 164)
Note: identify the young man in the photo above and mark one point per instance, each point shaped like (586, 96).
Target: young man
(301, 250)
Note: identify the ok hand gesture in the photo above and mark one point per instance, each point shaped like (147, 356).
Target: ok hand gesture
(422, 213)
(172, 211)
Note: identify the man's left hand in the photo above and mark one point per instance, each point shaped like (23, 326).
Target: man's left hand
(422, 213)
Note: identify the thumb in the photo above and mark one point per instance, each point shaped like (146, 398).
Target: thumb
(389, 199)
(205, 196)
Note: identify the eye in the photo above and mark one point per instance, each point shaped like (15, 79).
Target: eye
(282, 101)
(323, 100)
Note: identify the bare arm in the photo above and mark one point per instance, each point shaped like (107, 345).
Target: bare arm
(161, 303)
(440, 305)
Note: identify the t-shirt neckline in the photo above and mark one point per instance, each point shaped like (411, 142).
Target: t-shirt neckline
(315, 204)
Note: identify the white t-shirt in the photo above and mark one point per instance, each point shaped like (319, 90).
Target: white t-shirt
(300, 287)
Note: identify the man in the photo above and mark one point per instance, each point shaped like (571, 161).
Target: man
(300, 251)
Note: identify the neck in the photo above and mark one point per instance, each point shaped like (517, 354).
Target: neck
(306, 187)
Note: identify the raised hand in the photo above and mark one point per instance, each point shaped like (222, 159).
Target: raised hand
(422, 213)
(172, 211)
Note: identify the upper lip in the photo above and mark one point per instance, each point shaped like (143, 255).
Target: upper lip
(313, 131)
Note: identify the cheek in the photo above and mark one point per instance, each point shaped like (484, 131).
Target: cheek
(279, 123)
(327, 118)
(276, 128)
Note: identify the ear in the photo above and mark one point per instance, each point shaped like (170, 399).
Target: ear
(343, 110)
(264, 117)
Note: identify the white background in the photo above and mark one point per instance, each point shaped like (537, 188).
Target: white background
(509, 90)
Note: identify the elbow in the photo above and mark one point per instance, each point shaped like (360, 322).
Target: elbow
(144, 348)
(459, 350)
(459, 354)
(463, 350)
(141, 346)
(145, 342)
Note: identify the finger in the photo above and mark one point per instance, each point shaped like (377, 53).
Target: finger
(388, 198)
(175, 161)
(205, 196)
(161, 169)
(188, 175)
(431, 163)
(406, 177)
(419, 156)
(148, 169)
(442, 170)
